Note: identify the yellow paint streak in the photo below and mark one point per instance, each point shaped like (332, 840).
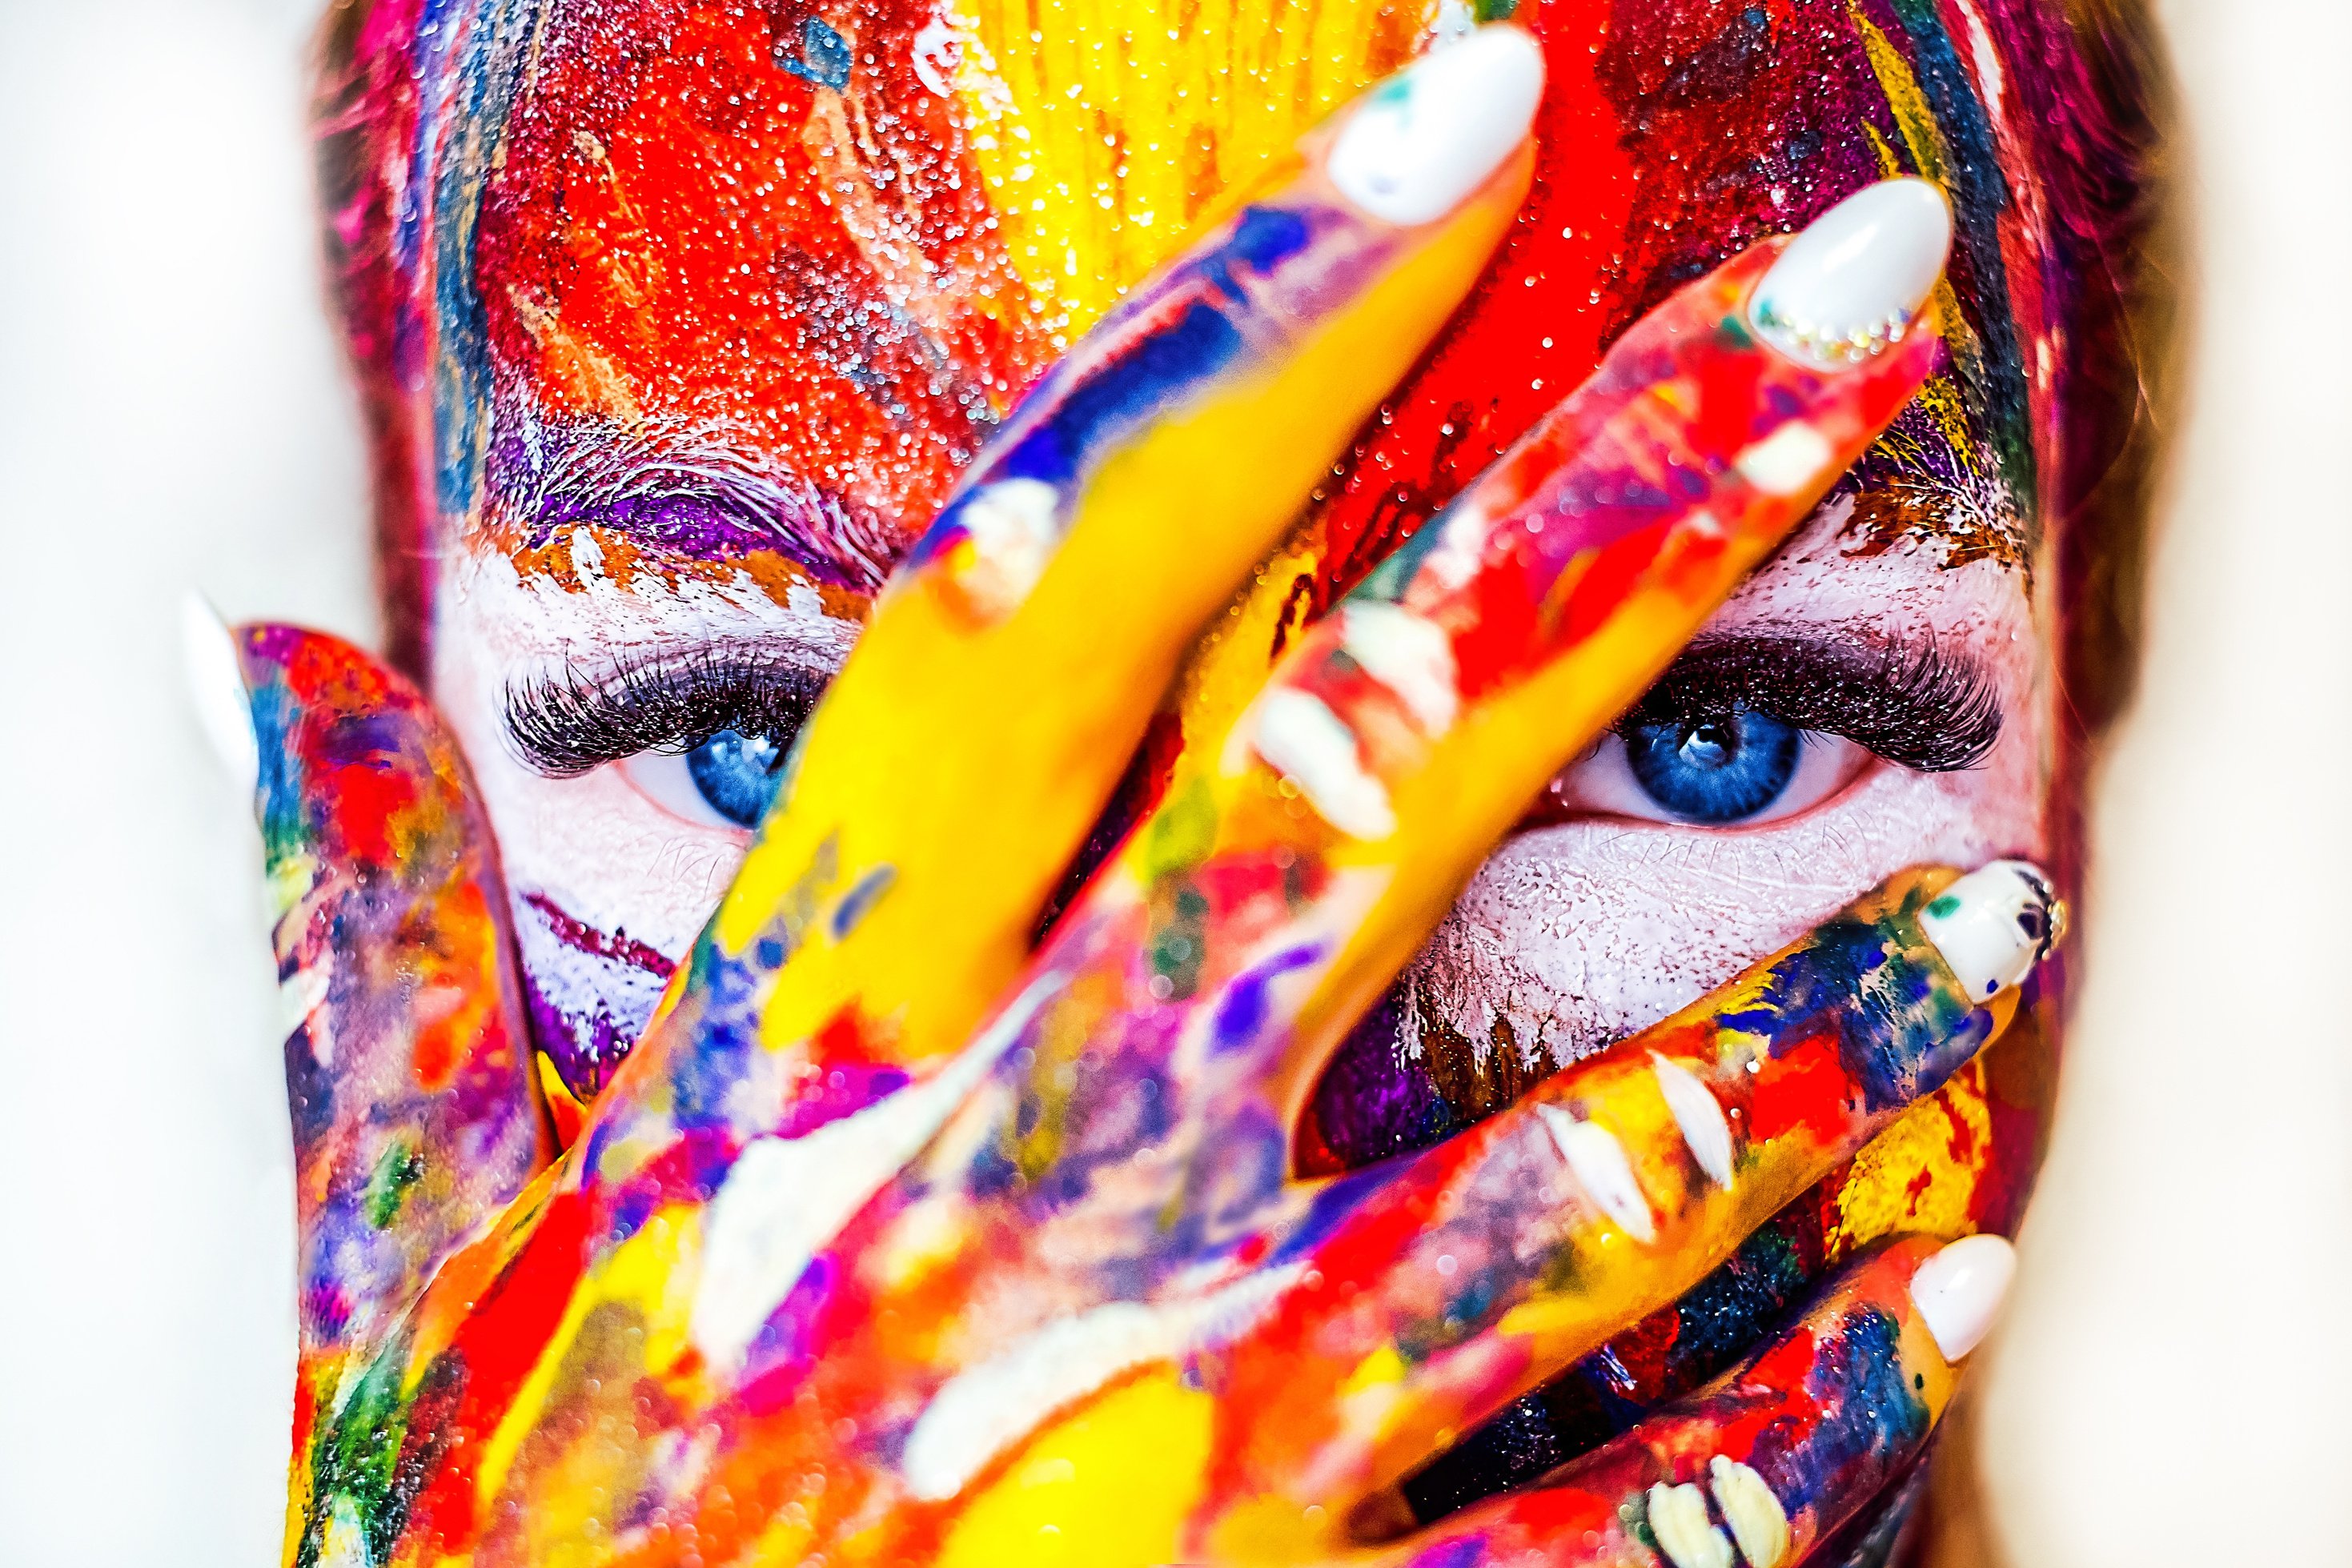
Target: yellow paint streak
(1157, 109)
(1943, 1141)
(1915, 121)
(1230, 663)
(655, 1270)
(1109, 1486)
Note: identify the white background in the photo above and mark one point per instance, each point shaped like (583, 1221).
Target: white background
(2174, 1379)
(171, 416)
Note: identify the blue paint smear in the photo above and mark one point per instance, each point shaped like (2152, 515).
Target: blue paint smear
(824, 59)
(1122, 394)
(1069, 423)
(1871, 1414)
(1899, 1035)
(489, 74)
(1248, 1000)
(860, 900)
(1980, 192)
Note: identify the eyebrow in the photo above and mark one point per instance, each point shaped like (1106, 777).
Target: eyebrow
(691, 500)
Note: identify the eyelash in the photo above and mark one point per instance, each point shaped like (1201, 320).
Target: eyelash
(566, 724)
(1907, 703)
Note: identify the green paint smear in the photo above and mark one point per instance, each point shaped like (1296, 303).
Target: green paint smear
(1496, 10)
(1183, 832)
(1180, 945)
(1945, 907)
(356, 1459)
(398, 1169)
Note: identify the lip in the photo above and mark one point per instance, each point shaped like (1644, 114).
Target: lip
(588, 992)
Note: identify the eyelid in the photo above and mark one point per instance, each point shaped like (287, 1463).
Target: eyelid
(1908, 701)
(565, 722)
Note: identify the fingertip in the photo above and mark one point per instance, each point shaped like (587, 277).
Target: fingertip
(1418, 144)
(1856, 279)
(217, 692)
(1994, 925)
(1959, 1291)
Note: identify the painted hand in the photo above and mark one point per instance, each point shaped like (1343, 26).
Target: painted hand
(903, 1237)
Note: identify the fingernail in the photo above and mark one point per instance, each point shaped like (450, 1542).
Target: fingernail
(1603, 1169)
(1994, 925)
(1758, 1523)
(1852, 283)
(1684, 1534)
(216, 690)
(1958, 1292)
(1432, 134)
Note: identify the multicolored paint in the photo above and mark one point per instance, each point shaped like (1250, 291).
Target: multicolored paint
(574, 241)
(1771, 1461)
(797, 1241)
(408, 1071)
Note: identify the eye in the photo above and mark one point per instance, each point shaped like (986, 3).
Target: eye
(726, 781)
(1741, 768)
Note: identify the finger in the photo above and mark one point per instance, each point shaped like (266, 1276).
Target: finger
(1457, 1281)
(958, 761)
(409, 1074)
(1129, 1149)
(1704, 1334)
(1010, 669)
(1287, 873)
(1766, 1464)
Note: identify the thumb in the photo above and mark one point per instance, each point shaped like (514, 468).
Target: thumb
(408, 1070)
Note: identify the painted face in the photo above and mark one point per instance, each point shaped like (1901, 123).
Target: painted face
(681, 322)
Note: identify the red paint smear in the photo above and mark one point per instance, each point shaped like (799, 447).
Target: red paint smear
(499, 1343)
(624, 195)
(618, 946)
(1804, 1087)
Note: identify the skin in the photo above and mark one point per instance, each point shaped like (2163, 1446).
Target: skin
(1574, 934)
(637, 1352)
(605, 247)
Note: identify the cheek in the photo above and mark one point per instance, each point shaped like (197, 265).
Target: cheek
(595, 846)
(1571, 937)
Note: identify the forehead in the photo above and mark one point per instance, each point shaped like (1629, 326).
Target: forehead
(835, 242)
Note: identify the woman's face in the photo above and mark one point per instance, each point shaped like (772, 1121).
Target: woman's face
(717, 301)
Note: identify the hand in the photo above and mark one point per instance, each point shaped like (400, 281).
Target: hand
(844, 1261)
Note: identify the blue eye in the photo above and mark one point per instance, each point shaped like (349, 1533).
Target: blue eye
(1718, 769)
(736, 773)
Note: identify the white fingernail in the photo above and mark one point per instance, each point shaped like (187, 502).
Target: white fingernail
(1602, 1169)
(1699, 1116)
(1410, 656)
(1994, 926)
(1758, 1523)
(216, 690)
(1958, 1292)
(1433, 133)
(1312, 746)
(1855, 280)
(1685, 1533)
